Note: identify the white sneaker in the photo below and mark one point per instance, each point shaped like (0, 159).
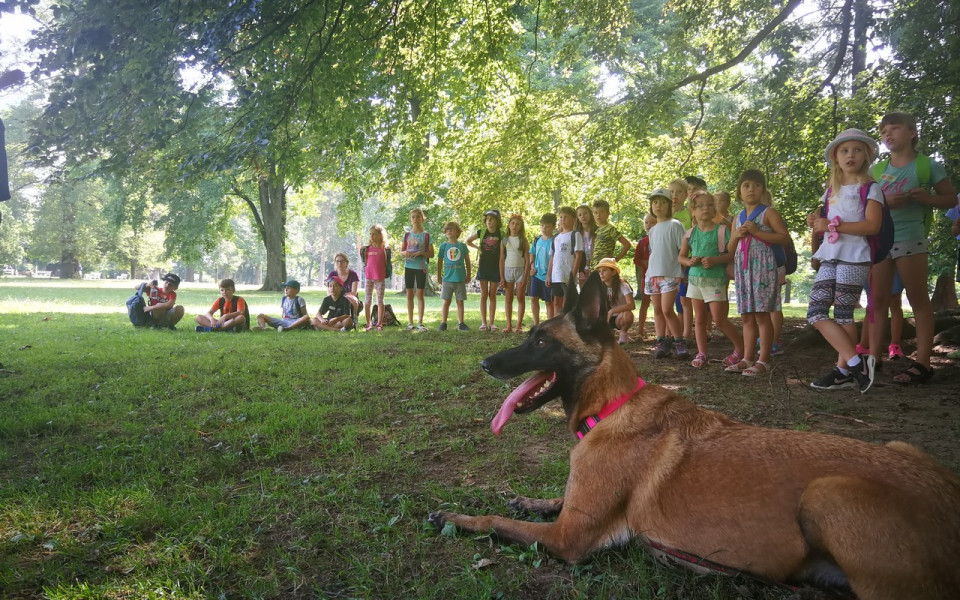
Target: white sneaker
(421, 328)
(280, 329)
(410, 327)
(258, 328)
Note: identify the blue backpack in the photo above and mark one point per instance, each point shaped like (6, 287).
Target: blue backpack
(135, 306)
(785, 257)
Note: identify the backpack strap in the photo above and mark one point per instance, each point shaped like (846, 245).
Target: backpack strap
(721, 233)
(923, 171)
(220, 302)
(880, 167)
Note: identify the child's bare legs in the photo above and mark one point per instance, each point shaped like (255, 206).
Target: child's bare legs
(750, 335)
(671, 320)
(551, 310)
(642, 314)
(459, 310)
(301, 322)
(700, 324)
(521, 305)
(484, 292)
(842, 337)
(262, 321)
(410, 292)
(535, 306)
(205, 320)
(659, 323)
(624, 322)
(896, 318)
(445, 310)
(881, 281)
(687, 326)
(719, 310)
(508, 305)
(913, 273)
(492, 299)
(421, 305)
(765, 324)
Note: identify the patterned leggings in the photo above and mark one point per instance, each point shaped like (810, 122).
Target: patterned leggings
(840, 284)
(371, 284)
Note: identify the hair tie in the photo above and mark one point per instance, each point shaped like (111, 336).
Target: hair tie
(834, 235)
(516, 216)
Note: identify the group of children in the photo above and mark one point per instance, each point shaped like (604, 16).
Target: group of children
(871, 226)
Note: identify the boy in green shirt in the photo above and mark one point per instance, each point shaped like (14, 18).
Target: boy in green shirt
(606, 237)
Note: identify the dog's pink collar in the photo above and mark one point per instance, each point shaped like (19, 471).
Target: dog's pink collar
(608, 409)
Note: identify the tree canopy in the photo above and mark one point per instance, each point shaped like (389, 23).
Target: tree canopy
(460, 106)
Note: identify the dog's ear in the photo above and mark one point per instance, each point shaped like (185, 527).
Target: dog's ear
(591, 304)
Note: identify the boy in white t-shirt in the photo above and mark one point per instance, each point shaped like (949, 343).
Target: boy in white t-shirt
(566, 256)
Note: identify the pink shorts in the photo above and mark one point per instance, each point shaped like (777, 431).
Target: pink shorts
(655, 286)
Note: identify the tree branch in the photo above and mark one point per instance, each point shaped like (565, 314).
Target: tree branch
(235, 188)
(747, 50)
(845, 22)
(696, 127)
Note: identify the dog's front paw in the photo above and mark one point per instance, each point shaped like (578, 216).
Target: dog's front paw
(536, 506)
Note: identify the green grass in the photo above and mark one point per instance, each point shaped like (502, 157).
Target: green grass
(158, 464)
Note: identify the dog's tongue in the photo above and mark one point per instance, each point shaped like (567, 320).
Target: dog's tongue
(522, 391)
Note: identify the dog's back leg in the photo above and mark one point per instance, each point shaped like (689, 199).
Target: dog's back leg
(872, 538)
(544, 508)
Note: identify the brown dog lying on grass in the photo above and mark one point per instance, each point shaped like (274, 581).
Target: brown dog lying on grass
(878, 521)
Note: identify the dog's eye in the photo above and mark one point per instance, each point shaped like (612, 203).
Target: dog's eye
(540, 343)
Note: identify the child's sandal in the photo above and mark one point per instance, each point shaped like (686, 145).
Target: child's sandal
(507, 329)
(732, 359)
(915, 373)
(739, 366)
(758, 368)
(699, 361)
(519, 328)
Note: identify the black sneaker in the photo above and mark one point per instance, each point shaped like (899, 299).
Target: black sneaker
(664, 346)
(834, 380)
(462, 327)
(443, 326)
(865, 371)
(680, 348)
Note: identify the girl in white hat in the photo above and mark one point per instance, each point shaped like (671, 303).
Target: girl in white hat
(854, 211)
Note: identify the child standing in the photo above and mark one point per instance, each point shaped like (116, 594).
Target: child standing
(903, 178)
(845, 256)
(488, 268)
(758, 227)
(641, 259)
(566, 256)
(162, 300)
(234, 315)
(293, 310)
(663, 275)
(723, 209)
(514, 264)
(704, 251)
(453, 272)
(376, 257)
(587, 226)
(417, 253)
(606, 236)
(539, 267)
(619, 298)
(336, 311)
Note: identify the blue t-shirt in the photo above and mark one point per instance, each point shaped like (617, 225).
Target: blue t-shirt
(953, 214)
(454, 262)
(908, 221)
(293, 308)
(416, 242)
(540, 249)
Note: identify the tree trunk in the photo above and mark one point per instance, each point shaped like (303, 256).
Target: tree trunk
(556, 199)
(786, 292)
(273, 210)
(69, 265)
(944, 293)
(861, 23)
(188, 275)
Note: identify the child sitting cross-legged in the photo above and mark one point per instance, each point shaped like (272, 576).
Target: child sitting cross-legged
(294, 311)
(234, 315)
(336, 312)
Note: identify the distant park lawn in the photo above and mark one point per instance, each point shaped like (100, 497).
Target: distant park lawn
(160, 464)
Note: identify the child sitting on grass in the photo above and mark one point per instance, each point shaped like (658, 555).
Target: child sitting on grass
(234, 315)
(162, 300)
(293, 307)
(336, 312)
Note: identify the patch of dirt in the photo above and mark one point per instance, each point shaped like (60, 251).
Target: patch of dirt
(925, 415)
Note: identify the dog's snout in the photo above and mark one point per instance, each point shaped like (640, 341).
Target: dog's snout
(485, 365)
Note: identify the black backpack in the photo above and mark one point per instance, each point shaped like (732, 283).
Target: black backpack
(135, 306)
(881, 242)
(390, 319)
(230, 309)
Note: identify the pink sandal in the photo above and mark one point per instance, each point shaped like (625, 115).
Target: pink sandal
(699, 361)
(732, 359)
